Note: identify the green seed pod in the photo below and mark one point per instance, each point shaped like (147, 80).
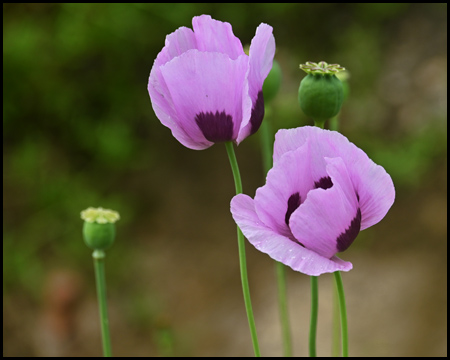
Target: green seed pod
(272, 83)
(321, 93)
(99, 229)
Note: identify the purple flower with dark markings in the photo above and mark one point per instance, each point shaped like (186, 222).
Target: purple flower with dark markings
(205, 88)
(321, 191)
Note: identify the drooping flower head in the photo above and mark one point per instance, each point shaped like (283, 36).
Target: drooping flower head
(205, 88)
(321, 191)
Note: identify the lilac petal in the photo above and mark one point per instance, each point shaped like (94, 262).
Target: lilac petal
(374, 187)
(288, 179)
(279, 247)
(206, 86)
(329, 220)
(371, 182)
(290, 139)
(323, 143)
(262, 51)
(216, 36)
(177, 43)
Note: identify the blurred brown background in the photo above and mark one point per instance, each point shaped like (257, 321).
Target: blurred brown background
(79, 131)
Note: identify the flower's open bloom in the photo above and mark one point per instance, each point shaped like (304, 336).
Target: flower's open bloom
(321, 191)
(205, 88)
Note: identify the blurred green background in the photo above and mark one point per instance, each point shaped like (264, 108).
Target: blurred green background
(79, 131)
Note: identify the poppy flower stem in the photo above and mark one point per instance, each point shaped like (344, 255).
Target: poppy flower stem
(319, 123)
(336, 331)
(343, 312)
(267, 139)
(334, 123)
(99, 266)
(267, 146)
(242, 258)
(314, 315)
(282, 303)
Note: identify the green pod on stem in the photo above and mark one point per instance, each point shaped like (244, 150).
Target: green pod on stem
(99, 229)
(321, 93)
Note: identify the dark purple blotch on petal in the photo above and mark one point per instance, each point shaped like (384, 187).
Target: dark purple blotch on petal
(323, 183)
(257, 113)
(346, 238)
(293, 203)
(216, 127)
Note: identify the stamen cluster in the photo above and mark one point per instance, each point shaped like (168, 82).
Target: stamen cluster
(321, 68)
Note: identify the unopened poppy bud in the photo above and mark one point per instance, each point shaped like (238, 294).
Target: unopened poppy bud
(99, 229)
(272, 83)
(321, 93)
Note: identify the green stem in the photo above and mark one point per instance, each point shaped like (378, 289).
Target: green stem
(241, 247)
(282, 302)
(99, 266)
(334, 123)
(343, 311)
(267, 146)
(314, 313)
(319, 123)
(335, 345)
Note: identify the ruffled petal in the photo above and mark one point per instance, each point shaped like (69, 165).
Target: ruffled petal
(374, 187)
(287, 186)
(372, 184)
(323, 143)
(177, 43)
(330, 219)
(216, 36)
(203, 87)
(279, 247)
(262, 51)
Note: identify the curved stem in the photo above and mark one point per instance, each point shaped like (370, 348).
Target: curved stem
(266, 147)
(343, 311)
(314, 315)
(241, 247)
(99, 266)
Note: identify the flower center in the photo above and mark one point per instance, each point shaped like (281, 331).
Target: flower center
(321, 68)
(216, 127)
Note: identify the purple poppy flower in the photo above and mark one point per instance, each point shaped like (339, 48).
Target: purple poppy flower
(321, 191)
(205, 88)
